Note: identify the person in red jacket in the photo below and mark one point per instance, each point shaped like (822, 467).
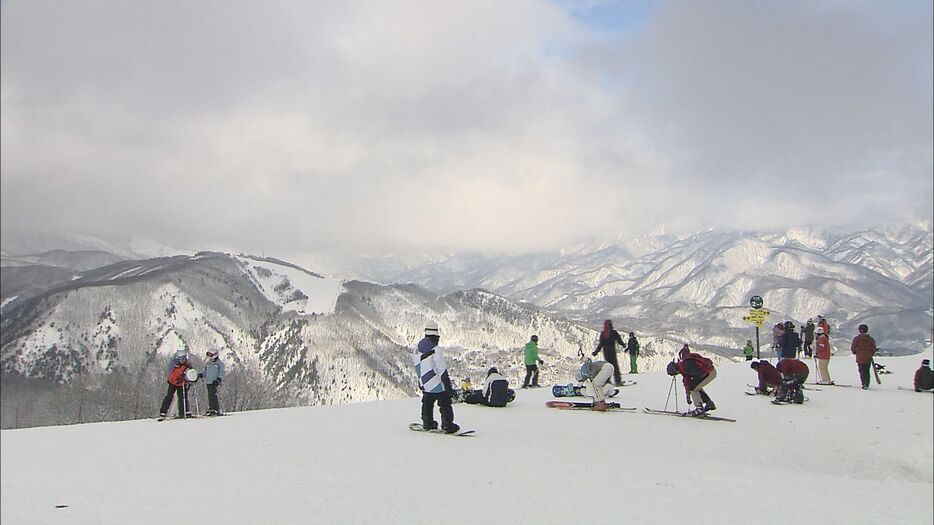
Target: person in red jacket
(769, 378)
(178, 385)
(697, 372)
(822, 354)
(794, 373)
(864, 346)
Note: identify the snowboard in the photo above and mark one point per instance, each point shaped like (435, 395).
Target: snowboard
(460, 433)
(685, 415)
(875, 371)
(173, 418)
(777, 402)
(825, 384)
(578, 405)
(572, 390)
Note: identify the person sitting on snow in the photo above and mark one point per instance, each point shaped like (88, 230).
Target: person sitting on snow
(769, 378)
(495, 393)
(924, 377)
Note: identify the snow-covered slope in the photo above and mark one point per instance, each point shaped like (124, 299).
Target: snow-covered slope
(846, 457)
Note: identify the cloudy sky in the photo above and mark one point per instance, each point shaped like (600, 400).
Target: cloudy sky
(291, 127)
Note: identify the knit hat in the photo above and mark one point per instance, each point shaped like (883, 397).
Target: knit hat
(926, 362)
(535, 338)
(754, 365)
(863, 328)
(181, 354)
(213, 354)
(431, 328)
(492, 370)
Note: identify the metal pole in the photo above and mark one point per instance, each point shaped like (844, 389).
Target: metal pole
(757, 342)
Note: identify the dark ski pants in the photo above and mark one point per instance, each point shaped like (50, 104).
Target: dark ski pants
(213, 403)
(182, 393)
(611, 358)
(531, 371)
(864, 374)
(444, 406)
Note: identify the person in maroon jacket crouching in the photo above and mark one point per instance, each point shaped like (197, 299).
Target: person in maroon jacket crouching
(769, 378)
(794, 374)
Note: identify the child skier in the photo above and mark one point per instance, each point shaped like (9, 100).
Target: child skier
(213, 374)
(178, 385)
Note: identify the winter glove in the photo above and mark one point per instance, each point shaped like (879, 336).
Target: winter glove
(200, 375)
(541, 362)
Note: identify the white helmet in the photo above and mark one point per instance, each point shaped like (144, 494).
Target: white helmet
(820, 330)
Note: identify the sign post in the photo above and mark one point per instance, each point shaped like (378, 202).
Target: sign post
(757, 315)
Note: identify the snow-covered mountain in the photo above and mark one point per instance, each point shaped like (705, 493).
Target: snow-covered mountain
(324, 340)
(847, 457)
(697, 288)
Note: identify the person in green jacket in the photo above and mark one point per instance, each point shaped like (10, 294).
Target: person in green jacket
(531, 362)
(632, 347)
(747, 350)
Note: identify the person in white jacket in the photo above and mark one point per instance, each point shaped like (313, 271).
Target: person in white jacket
(434, 381)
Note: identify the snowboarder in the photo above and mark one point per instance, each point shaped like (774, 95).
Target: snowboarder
(789, 342)
(531, 363)
(178, 385)
(924, 377)
(864, 346)
(595, 375)
(632, 348)
(608, 340)
(808, 336)
(822, 353)
(434, 381)
(748, 350)
(769, 378)
(213, 374)
(697, 372)
(496, 391)
(794, 373)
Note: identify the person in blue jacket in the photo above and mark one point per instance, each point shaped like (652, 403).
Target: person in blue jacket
(213, 374)
(434, 381)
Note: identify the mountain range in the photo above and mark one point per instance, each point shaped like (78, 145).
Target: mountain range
(67, 312)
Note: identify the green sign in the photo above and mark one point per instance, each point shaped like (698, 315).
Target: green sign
(755, 301)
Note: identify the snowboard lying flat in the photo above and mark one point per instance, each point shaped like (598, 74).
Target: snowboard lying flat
(578, 405)
(685, 415)
(460, 433)
(578, 391)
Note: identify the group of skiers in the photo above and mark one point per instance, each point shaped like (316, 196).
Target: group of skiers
(180, 381)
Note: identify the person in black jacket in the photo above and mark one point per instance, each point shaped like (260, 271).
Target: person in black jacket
(789, 342)
(608, 340)
(924, 377)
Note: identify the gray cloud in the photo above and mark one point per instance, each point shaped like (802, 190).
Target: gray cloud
(291, 128)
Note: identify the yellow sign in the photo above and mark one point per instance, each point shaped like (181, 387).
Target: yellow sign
(756, 316)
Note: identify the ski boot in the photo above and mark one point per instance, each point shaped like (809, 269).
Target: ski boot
(451, 428)
(599, 406)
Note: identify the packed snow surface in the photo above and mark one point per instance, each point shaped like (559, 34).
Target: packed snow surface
(847, 456)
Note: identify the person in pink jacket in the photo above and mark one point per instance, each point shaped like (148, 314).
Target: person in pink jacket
(822, 354)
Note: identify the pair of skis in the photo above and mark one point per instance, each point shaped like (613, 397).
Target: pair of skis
(612, 407)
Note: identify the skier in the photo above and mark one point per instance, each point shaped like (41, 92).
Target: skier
(213, 375)
(178, 385)
(789, 342)
(632, 348)
(434, 381)
(769, 378)
(595, 375)
(808, 332)
(697, 372)
(924, 377)
(864, 346)
(748, 350)
(608, 340)
(822, 353)
(794, 373)
(531, 363)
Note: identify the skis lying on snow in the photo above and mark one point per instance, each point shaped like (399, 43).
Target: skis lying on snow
(199, 416)
(578, 405)
(460, 433)
(777, 402)
(687, 415)
(913, 390)
(828, 384)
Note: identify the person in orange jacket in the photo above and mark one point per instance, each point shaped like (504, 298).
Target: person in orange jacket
(822, 354)
(864, 346)
(178, 385)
